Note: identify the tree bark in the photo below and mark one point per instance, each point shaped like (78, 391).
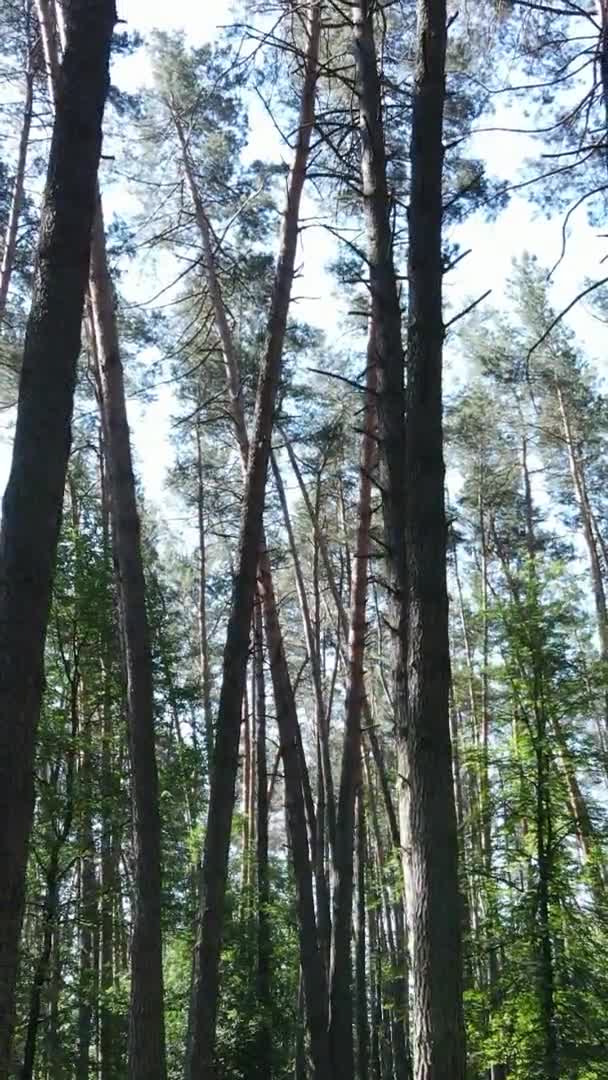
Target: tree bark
(436, 905)
(50, 911)
(87, 911)
(33, 500)
(264, 942)
(146, 1019)
(361, 972)
(341, 999)
(202, 599)
(223, 776)
(544, 823)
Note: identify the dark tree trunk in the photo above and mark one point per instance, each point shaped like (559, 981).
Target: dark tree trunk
(296, 779)
(544, 818)
(390, 360)
(436, 905)
(202, 599)
(33, 500)
(146, 1027)
(361, 970)
(264, 952)
(50, 917)
(225, 761)
(341, 1005)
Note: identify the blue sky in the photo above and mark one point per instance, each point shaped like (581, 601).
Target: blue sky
(493, 245)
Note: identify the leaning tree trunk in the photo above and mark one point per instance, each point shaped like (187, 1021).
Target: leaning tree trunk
(146, 1017)
(225, 762)
(432, 834)
(33, 500)
(299, 799)
(146, 1014)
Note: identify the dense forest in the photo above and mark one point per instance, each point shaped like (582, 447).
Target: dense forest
(304, 773)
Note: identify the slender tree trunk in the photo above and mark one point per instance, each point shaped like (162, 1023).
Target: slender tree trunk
(281, 678)
(587, 518)
(50, 916)
(311, 960)
(436, 904)
(33, 500)
(146, 1051)
(41, 971)
(341, 1002)
(12, 228)
(397, 981)
(87, 913)
(361, 972)
(387, 320)
(375, 992)
(202, 599)
(314, 658)
(109, 870)
(591, 850)
(327, 801)
(223, 777)
(544, 841)
(300, 1071)
(246, 829)
(146, 1028)
(370, 734)
(264, 943)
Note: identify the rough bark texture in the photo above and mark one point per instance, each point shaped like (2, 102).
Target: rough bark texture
(34, 495)
(225, 762)
(435, 902)
(386, 315)
(146, 1026)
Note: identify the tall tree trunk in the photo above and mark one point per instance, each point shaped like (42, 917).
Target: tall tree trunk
(41, 970)
(202, 599)
(146, 1028)
(361, 971)
(436, 904)
(87, 912)
(33, 500)
(589, 534)
(327, 800)
(341, 1001)
(109, 842)
(544, 840)
(50, 910)
(314, 658)
(12, 227)
(264, 943)
(387, 319)
(287, 713)
(343, 635)
(225, 762)
(296, 779)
